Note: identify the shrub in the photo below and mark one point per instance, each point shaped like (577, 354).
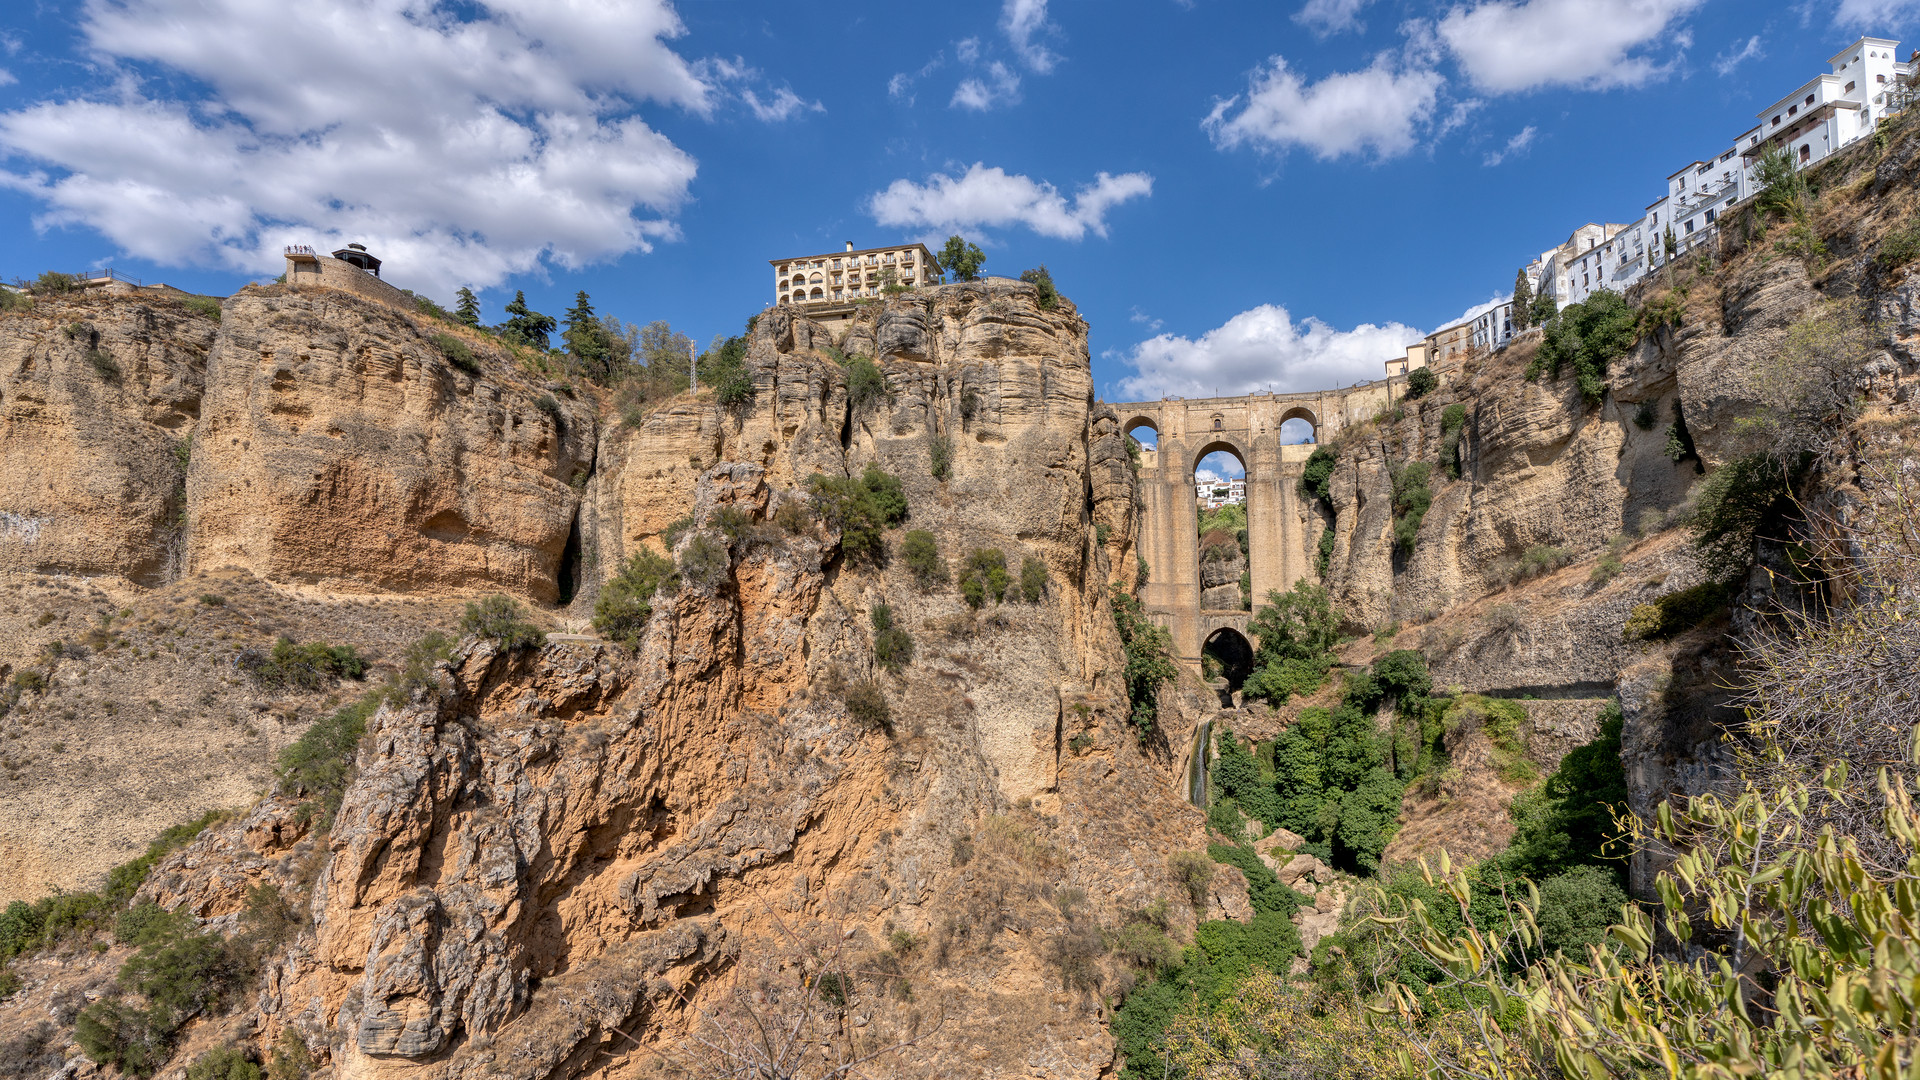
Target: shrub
(1042, 282)
(1033, 579)
(866, 386)
(1149, 653)
(1676, 612)
(867, 705)
(1898, 248)
(36, 1052)
(861, 508)
(1316, 477)
(1732, 507)
(320, 763)
(111, 1032)
(458, 354)
(213, 599)
(674, 530)
(704, 562)
(625, 602)
(1144, 945)
(940, 457)
(792, 517)
(302, 667)
(1587, 337)
(500, 618)
(53, 283)
(1453, 423)
(1611, 561)
(921, 552)
(1323, 553)
(291, 1060)
(146, 923)
(103, 364)
(1679, 440)
(31, 681)
(1421, 382)
(892, 646)
(1568, 820)
(13, 301)
(207, 307)
(724, 368)
(984, 575)
(1645, 416)
(224, 1063)
(1538, 560)
(1193, 872)
(1411, 498)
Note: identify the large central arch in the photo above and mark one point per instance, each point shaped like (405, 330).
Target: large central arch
(1281, 528)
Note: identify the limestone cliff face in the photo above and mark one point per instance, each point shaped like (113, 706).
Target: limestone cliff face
(97, 395)
(338, 447)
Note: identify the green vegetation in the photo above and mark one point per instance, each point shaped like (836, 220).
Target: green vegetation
(467, 310)
(1569, 820)
(724, 367)
(1316, 477)
(53, 283)
(319, 765)
(940, 457)
(1194, 871)
(892, 646)
(502, 620)
(704, 562)
(224, 1063)
(456, 352)
(862, 509)
(651, 363)
(302, 667)
(1611, 561)
(1323, 553)
(1538, 561)
(1033, 579)
(1296, 633)
(207, 307)
(866, 386)
(525, 326)
(1149, 651)
(14, 301)
(626, 601)
(1587, 337)
(1411, 498)
(1676, 612)
(1421, 382)
(1522, 300)
(867, 704)
(961, 259)
(921, 552)
(1453, 423)
(1043, 285)
(984, 576)
(1733, 507)
(1679, 440)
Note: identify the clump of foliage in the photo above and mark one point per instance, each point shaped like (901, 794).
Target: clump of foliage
(1411, 499)
(53, 283)
(862, 508)
(1149, 652)
(1810, 388)
(1587, 336)
(1033, 579)
(320, 763)
(1193, 872)
(1295, 633)
(525, 326)
(961, 259)
(1453, 423)
(456, 352)
(1569, 820)
(502, 620)
(1538, 560)
(1733, 507)
(724, 367)
(984, 577)
(207, 307)
(1316, 477)
(704, 562)
(921, 552)
(867, 705)
(302, 667)
(892, 645)
(1323, 553)
(866, 386)
(1611, 561)
(626, 601)
(649, 363)
(1676, 612)
(466, 309)
(1898, 248)
(1421, 382)
(940, 457)
(1042, 283)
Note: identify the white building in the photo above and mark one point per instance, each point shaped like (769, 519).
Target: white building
(1214, 494)
(840, 278)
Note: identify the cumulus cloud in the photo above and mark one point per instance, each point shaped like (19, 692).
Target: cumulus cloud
(1377, 110)
(1326, 17)
(1217, 468)
(1874, 15)
(1506, 46)
(7, 78)
(996, 198)
(1000, 86)
(780, 105)
(1025, 23)
(1516, 145)
(1259, 348)
(1152, 324)
(1733, 58)
(462, 145)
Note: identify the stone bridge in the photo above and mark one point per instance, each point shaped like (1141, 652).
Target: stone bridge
(1282, 528)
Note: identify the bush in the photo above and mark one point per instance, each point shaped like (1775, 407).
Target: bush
(1676, 612)
(224, 1063)
(1898, 248)
(146, 923)
(1033, 579)
(921, 552)
(1612, 561)
(213, 600)
(1193, 872)
(983, 576)
(892, 646)
(866, 386)
(1316, 477)
(861, 509)
(1411, 498)
(500, 618)
(1587, 337)
(867, 704)
(1646, 415)
(1421, 382)
(625, 602)
(53, 283)
(111, 1032)
(103, 364)
(207, 307)
(320, 763)
(724, 368)
(457, 353)
(1143, 944)
(940, 457)
(704, 562)
(302, 667)
(1042, 282)
(1149, 653)
(1538, 560)
(36, 1052)
(1568, 820)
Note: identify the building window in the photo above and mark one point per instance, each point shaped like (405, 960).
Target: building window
(1689, 228)
(1806, 152)
(1849, 89)
(1791, 109)
(1776, 121)
(1709, 217)
(1809, 99)
(1880, 80)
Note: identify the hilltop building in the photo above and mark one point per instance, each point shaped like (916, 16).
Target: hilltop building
(351, 268)
(845, 276)
(1214, 494)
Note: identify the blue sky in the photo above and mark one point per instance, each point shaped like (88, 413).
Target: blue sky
(1236, 194)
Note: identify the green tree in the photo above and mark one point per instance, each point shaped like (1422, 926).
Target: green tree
(587, 341)
(1149, 652)
(1587, 337)
(468, 309)
(1522, 300)
(961, 259)
(1042, 282)
(1569, 820)
(724, 367)
(1783, 187)
(525, 326)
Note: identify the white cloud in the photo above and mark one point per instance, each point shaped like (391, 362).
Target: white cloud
(1023, 21)
(993, 197)
(1218, 467)
(461, 149)
(1259, 348)
(1000, 87)
(1732, 58)
(1507, 46)
(782, 104)
(1376, 109)
(1326, 17)
(1874, 15)
(1516, 145)
(7, 78)
(1152, 324)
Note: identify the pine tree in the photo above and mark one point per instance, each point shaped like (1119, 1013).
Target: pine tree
(586, 340)
(1522, 301)
(525, 325)
(468, 310)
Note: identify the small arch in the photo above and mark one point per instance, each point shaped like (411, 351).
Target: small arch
(1143, 430)
(1227, 654)
(1297, 430)
(1219, 422)
(818, 293)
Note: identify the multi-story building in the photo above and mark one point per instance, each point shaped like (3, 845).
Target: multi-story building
(842, 277)
(1214, 494)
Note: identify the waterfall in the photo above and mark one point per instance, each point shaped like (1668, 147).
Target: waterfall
(1197, 764)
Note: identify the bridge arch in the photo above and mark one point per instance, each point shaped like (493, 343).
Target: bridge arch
(1220, 446)
(1227, 654)
(1137, 421)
